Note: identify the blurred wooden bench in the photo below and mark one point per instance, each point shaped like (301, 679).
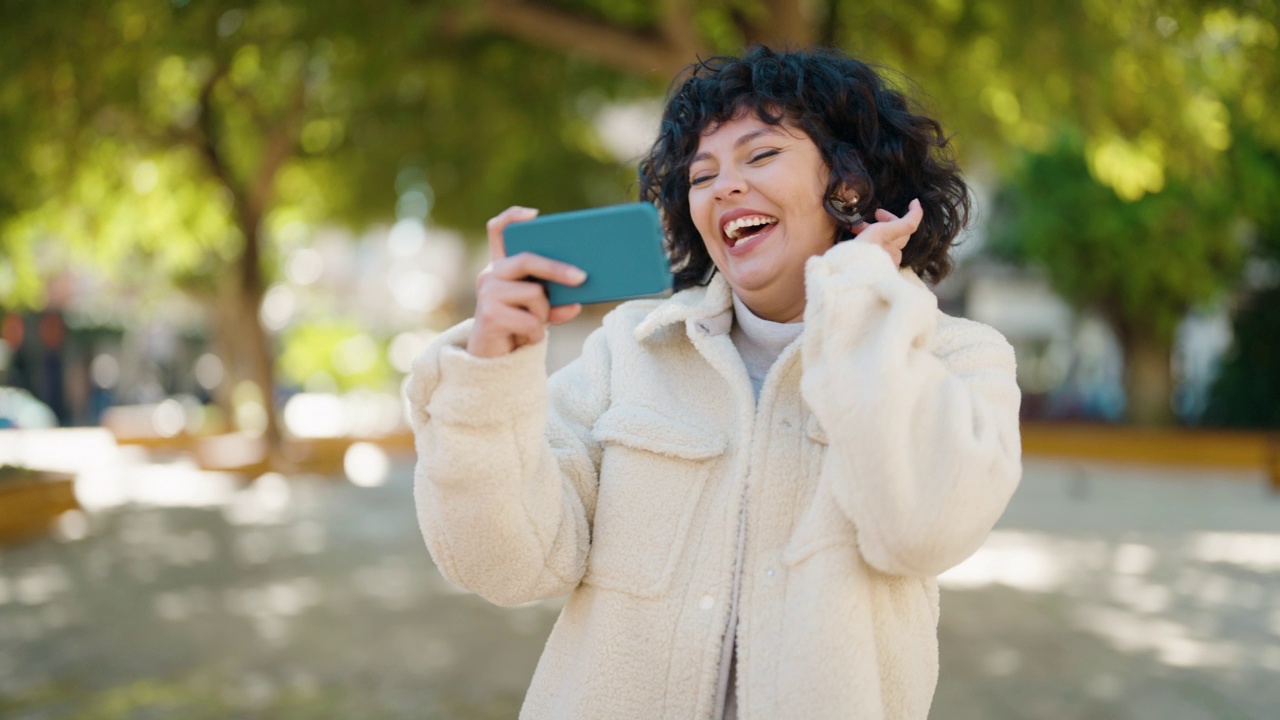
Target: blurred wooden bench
(1235, 449)
(31, 500)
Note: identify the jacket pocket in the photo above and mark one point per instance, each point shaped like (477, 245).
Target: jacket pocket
(652, 473)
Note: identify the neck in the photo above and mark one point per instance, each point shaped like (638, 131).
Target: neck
(786, 312)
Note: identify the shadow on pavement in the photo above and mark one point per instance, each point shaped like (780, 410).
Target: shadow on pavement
(1105, 593)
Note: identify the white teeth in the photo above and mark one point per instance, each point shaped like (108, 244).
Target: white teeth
(733, 227)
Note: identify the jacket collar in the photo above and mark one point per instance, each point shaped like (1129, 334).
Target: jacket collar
(710, 306)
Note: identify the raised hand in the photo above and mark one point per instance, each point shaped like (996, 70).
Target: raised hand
(511, 308)
(890, 231)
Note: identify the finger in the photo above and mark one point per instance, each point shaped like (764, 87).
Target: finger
(909, 223)
(894, 246)
(488, 345)
(528, 329)
(533, 337)
(491, 336)
(520, 294)
(883, 215)
(915, 213)
(564, 313)
(499, 222)
(915, 210)
(528, 296)
(524, 265)
(901, 236)
(508, 321)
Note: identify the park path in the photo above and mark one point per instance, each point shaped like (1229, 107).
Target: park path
(1105, 593)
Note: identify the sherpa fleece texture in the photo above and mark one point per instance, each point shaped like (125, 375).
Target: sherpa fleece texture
(882, 450)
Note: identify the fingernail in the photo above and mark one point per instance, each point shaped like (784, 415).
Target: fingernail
(577, 275)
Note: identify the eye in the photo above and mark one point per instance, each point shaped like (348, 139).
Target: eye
(700, 179)
(764, 155)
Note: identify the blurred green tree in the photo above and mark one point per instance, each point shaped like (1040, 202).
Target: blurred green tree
(1139, 217)
(190, 142)
(245, 122)
(1142, 264)
(1247, 390)
(1246, 393)
(1152, 88)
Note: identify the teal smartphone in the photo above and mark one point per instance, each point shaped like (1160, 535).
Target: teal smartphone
(619, 247)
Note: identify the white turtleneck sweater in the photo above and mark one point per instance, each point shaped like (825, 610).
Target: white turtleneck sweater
(759, 342)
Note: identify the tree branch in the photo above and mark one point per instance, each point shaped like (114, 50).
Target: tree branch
(829, 29)
(207, 144)
(786, 25)
(625, 50)
(281, 144)
(680, 31)
(246, 216)
(246, 276)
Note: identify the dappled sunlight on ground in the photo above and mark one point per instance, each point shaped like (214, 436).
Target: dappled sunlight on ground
(1146, 593)
(284, 594)
(1106, 592)
(1200, 600)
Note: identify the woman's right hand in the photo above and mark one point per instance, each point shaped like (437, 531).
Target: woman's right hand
(511, 309)
(890, 231)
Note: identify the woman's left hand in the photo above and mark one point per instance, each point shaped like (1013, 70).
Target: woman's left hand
(890, 231)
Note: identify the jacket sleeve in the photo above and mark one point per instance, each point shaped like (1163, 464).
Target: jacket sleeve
(922, 421)
(506, 477)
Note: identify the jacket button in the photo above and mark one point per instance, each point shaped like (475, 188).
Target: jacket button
(706, 602)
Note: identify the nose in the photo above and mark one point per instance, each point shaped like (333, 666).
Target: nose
(728, 182)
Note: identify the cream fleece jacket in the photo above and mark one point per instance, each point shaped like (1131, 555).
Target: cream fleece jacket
(882, 450)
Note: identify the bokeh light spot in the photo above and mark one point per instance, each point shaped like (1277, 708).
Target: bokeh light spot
(366, 464)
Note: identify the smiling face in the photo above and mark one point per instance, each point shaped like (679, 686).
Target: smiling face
(755, 195)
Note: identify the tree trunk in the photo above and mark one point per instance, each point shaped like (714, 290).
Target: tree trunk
(253, 358)
(220, 310)
(1148, 377)
(253, 339)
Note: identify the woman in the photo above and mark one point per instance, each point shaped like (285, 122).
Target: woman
(748, 489)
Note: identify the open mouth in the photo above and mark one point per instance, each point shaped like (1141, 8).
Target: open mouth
(745, 228)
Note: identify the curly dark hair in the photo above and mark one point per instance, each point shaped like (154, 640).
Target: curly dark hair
(869, 134)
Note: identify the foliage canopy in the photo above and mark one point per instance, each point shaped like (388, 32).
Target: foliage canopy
(197, 141)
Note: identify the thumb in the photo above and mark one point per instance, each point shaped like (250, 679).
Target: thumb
(915, 212)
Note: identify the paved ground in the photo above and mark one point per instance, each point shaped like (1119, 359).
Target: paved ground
(1106, 593)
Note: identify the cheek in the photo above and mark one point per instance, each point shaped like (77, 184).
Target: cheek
(820, 229)
(702, 220)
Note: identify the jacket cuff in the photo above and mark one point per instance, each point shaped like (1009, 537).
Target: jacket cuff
(456, 387)
(856, 260)
(853, 263)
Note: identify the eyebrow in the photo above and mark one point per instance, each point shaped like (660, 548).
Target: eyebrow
(771, 130)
